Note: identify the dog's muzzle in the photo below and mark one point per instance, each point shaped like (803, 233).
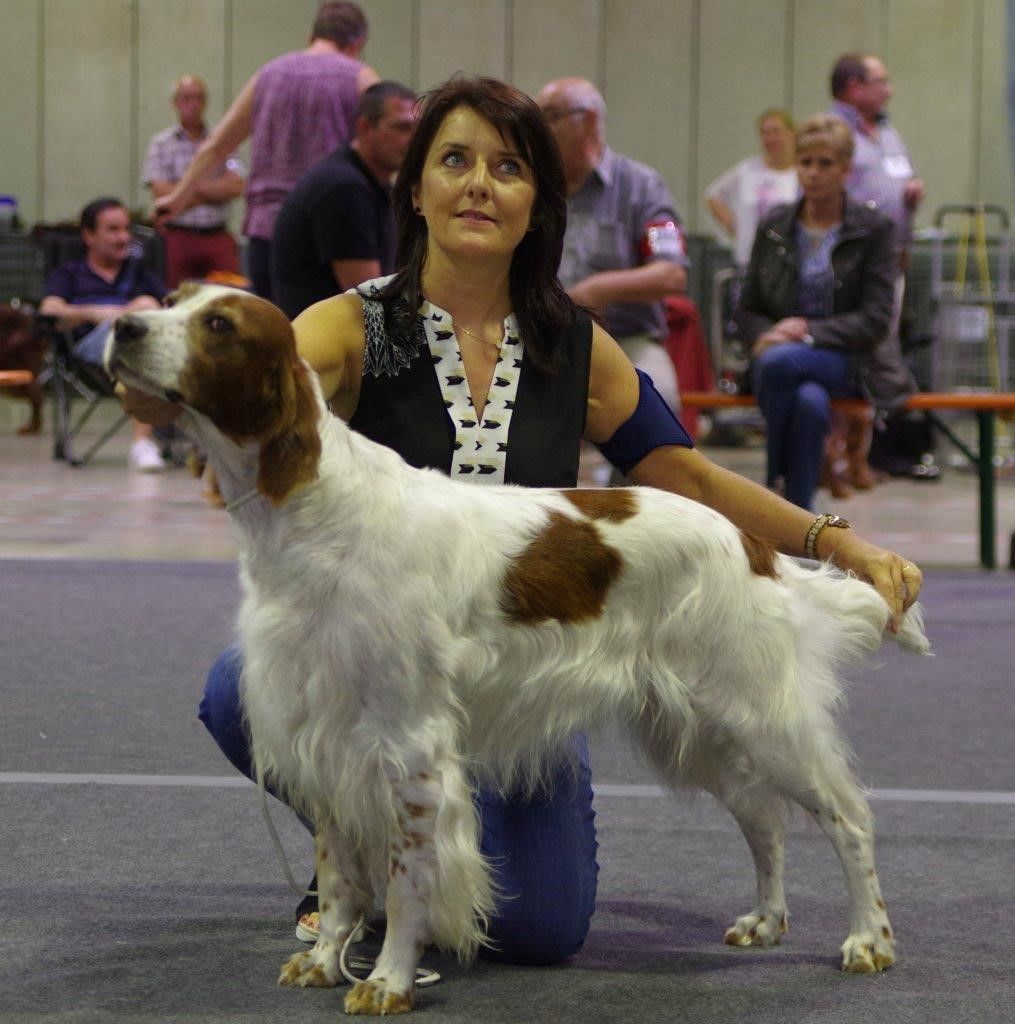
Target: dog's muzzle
(129, 328)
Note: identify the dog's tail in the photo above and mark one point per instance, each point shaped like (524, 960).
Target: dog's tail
(858, 612)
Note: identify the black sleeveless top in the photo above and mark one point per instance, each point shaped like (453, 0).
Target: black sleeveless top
(402, 407)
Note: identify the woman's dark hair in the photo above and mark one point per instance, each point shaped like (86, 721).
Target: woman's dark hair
(541, 306)
(89, 218)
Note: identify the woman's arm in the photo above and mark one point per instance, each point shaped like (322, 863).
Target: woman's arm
(329, 336)
(613, 398)
(752, 315)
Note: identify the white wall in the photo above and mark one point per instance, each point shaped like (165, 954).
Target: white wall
(86, 82)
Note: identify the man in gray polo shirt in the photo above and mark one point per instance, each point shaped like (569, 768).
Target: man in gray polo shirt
(624, 250)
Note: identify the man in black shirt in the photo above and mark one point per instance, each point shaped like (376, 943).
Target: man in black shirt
(336, 227)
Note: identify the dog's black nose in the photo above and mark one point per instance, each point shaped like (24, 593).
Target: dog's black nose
(129, 328)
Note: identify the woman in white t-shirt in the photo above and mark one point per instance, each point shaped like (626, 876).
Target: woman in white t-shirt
(739, 198)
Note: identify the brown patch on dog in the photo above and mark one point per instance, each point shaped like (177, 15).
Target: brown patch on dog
(614, 504)
(881, 904)
(760, 555)
(886, 932)
(244, 374)
(563, 574)
(416, 810)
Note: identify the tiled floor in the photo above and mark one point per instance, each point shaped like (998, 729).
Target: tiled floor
(51, 510)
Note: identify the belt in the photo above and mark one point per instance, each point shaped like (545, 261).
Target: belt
(216, 229)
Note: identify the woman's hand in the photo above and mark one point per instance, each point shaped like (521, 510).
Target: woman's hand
(147, 408)
(895, 579)
(790, 329)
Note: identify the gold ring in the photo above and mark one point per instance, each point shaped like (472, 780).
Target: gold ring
(906, 567)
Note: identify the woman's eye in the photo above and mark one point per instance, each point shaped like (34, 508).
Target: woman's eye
(511, 166)
(454, 159)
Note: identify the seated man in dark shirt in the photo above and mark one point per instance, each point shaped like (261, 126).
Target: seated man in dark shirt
(89, 294)
(336, 228)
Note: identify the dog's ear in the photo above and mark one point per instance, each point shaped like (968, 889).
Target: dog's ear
(291, 451)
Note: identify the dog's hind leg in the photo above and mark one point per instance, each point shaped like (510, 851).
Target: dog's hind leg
(844, 816)
(343, 894)
(834, 800)
(759, 813)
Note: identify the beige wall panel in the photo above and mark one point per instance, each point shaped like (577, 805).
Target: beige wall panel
(743, 57)
(184, 37)
(262, 29)
(88, 98)
(822, 31)
(995, 180)
(390, 49)
(553, 39)
(454, 37)
(19, 112)
(649, 88)
(930, 53)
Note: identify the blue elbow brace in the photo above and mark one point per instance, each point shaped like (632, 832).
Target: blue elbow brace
(650, 426)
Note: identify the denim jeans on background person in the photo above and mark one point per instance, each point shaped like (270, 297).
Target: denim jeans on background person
(542, 849)
(794, 384)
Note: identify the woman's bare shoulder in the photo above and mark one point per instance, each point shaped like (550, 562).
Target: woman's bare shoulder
(329, 336)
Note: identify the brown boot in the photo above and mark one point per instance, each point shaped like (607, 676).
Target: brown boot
(859, 431)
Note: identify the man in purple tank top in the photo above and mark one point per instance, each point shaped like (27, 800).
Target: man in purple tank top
(295, 110)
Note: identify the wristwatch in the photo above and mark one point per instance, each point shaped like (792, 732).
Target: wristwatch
(823, 521)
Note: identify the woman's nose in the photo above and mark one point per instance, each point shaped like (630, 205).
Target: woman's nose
(479, 182)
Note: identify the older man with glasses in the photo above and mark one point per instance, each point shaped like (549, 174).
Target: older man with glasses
(624, 250)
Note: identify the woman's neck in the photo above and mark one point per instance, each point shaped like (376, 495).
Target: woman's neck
(475, 295)
(821, 214)
(778, 163)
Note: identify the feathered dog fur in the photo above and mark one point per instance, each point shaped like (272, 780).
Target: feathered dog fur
(405, 634)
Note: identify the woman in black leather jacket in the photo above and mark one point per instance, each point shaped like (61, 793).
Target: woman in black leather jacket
(815, 309)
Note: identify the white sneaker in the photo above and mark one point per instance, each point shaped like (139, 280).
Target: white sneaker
(145, 457)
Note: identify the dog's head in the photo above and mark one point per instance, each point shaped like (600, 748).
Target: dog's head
(230, 357)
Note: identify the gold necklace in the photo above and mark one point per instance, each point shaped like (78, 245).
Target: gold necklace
(471, 334)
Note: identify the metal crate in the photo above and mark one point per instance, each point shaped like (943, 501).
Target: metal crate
(21, 268)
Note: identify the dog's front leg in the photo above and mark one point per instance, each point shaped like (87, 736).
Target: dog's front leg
(411, 868)
(343, 894)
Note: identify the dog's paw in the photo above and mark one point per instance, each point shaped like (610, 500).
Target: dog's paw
(373, 997)
(757, 930)
(867, 953)
(310, 969)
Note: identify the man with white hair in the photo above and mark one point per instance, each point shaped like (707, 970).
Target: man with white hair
(624, 250)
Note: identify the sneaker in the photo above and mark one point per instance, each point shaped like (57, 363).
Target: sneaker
(144, 456)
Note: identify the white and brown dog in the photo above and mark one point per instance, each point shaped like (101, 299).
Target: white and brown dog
(403, 632)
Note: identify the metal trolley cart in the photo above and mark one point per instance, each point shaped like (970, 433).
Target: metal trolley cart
(974, 308)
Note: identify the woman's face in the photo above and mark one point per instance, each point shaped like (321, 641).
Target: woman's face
(476, 190)
(776, 138)
(822, 173)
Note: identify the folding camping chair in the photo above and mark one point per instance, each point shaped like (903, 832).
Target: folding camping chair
(72, 379)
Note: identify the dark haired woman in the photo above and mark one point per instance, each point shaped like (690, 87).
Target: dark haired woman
(473, 360)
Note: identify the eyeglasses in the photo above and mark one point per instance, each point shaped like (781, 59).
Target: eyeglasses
(553, 116)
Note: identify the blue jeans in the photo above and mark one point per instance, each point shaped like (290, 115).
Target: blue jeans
(795, 384)
(542, 848)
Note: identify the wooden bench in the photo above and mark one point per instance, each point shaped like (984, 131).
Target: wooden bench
(985, 406)
(15, 378)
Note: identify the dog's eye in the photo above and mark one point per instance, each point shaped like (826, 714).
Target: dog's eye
(219, 324)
